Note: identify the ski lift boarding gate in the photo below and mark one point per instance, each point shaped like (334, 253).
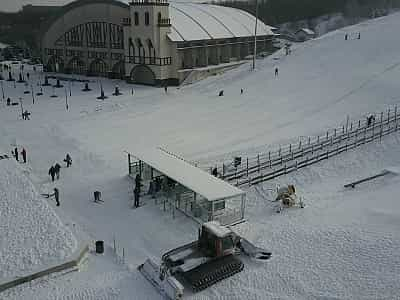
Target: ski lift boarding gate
(205, 196)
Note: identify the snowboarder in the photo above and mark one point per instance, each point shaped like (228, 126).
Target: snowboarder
(136, 193)
(52, 172)
(221, 93)
(276, 71)
(68, 160)
(23, 153)
(57, 168)
(16, 153)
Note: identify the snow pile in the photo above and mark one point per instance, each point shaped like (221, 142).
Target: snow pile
(32, 235)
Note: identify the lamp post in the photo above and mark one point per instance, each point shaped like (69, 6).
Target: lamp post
(22, 108)
(33, 95)
(255, 38)
(66, 99)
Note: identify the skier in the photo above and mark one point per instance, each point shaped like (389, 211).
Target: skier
(276, 71)
(166, 88)
(27, 76)
(16, 153)
(241, 91)
(346, 37)
(57, 168)
(68, 160)
(52, 173)
(26, 115)
(136, 193)
(215, 172)
(23, 153)
(8, 101)
(221, 93)
(359, 36)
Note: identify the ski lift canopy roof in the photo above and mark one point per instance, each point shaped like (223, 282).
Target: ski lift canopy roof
(184, 173)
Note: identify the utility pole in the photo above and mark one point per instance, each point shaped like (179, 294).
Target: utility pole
(255, 38)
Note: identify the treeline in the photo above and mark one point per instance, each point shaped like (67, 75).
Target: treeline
(280, 11)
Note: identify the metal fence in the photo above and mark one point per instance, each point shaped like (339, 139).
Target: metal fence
(266, 166)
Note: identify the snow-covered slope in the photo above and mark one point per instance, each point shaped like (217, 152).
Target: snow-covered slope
(32, 235)
(343, 245)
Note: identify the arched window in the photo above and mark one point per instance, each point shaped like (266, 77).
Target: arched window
(146, 18)
(136, 18)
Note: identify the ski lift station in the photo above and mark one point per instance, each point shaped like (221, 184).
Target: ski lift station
(185, 188)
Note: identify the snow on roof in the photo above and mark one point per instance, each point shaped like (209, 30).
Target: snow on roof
(216, 228)
(306, 30)
(187, 175)
(195, 21)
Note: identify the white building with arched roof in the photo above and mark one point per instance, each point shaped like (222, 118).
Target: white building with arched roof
(151, 42)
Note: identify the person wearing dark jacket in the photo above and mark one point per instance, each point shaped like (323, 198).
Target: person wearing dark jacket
(23, 153)
(52, 172)
(57, 168)
(136, 193)
(16, 153)
(68, 160)
(56, 195)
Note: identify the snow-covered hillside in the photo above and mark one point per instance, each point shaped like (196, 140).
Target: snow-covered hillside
(32, 234)
(343, 245)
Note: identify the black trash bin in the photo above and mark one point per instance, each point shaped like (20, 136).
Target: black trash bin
(100, 247)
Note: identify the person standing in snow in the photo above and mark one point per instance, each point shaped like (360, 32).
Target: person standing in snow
(136, 193)
(276, 71)
(52, 172)
(16, 153)
(68, 160)
(241, 91)
(346, 37)
(57, 168)
(23, 153)
(56, 195)
(138, 182)
(359, 36)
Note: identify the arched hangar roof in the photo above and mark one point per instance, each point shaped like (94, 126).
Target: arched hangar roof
(195, 21)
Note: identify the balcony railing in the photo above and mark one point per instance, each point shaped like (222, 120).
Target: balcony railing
(148, 60)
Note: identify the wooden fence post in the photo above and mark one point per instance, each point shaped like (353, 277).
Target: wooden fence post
(318, 140)
(395, 113)
(327, 134)
(258, 162)
(300, 144)
(343, 129)
(351, 126)
(359, 124)
(290, 148)
(309, 140)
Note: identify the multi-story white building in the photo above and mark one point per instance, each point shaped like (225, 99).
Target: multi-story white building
(149, 41)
